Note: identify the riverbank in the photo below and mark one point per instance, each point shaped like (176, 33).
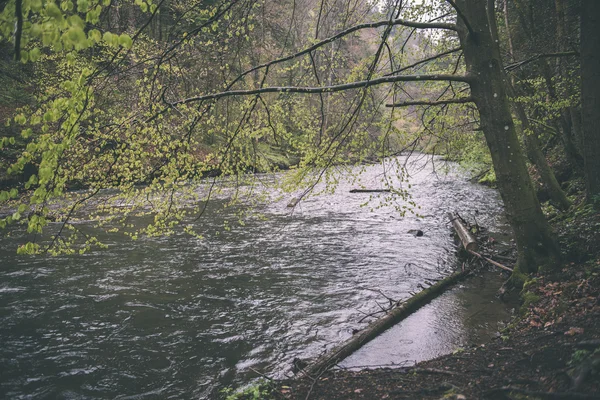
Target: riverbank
(551, 350)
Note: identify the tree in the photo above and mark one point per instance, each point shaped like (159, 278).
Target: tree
(536, 243)
(158, 135)
(590, 95)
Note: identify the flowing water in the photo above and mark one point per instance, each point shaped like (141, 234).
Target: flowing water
(180, 318)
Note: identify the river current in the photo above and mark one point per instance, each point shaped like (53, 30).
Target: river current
(180, 318)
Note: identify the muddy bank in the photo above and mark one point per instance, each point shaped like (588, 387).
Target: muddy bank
(528, 361)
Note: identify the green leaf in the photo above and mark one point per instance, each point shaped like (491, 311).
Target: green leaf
(95, 35)
(34, 54)
(20, 119)
(125, 41)
(53, 11)
(82, 5)
(36, 5)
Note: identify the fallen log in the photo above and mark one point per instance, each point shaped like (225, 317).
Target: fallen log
(470, 243)
(369, 190)
(467, 239)
(378, 327)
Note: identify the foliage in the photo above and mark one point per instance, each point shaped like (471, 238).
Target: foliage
(117, 106)
(262, 390)
(102, 118)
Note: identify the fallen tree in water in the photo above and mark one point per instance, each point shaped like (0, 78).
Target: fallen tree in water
(403, 309)
(378, 327)
(470, 243)
(466, 237)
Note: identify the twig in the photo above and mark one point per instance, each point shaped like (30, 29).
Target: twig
(260, 373)
(497, 264)
(432, 371)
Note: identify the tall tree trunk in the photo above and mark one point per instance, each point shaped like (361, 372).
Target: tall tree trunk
(511, 48)
(590, 95)
(564, 124)
(536, 244)
(536, 156)
(532, 142)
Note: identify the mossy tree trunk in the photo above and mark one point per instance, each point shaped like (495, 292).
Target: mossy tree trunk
(536, 244)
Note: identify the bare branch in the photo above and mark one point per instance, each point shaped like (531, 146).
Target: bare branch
(425, 60)
(419, 25)
(328, 89)
(461, 100)
(519, 64)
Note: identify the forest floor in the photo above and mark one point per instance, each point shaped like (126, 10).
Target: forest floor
(551, 350)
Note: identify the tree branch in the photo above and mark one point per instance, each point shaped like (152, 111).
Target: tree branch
(423, 61)
(19, 28)
(420, 25)
(519, 64)
(327, 89)
(461, 100)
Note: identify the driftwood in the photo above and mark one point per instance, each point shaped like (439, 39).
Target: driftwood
(369, 190)
(497, 264)
(467, 239)
(378, 327)
(470, 243)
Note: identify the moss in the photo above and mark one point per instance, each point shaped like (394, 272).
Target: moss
(489, 179)
(518, 279)
(528, 299)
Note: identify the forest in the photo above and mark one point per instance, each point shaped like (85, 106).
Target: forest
(114, 111)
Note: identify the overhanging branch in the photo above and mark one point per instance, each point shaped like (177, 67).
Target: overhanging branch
(327, 89)
(425, 60)
(418, 25)
(461, 100)
(531, 59)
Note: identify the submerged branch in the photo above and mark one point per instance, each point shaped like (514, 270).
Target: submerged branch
(395, 315)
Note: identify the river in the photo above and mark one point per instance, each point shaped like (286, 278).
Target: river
(180, 318)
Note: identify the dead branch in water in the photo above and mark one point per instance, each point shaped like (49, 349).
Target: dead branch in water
(370, 190)
(378, 327)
